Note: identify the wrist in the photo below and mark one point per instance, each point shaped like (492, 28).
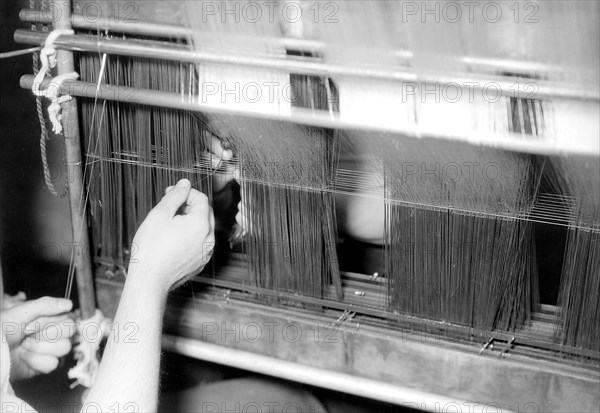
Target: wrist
(147, 280)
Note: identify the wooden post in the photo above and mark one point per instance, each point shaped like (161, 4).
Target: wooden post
(70, 121)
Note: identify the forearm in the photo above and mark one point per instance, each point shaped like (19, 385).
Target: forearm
(173, 244)
(128, 376)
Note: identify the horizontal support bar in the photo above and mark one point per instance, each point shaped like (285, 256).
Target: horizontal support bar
(323, 119)
(101, 23)
(507, 86)
(313, 376)
(522, 339)
(157, 30)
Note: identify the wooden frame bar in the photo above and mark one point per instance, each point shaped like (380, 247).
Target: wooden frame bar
(432, 368)
(70, 121)
(508, 86)
(303, 116)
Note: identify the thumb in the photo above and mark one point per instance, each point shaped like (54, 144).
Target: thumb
(42, 307)
(175, 197)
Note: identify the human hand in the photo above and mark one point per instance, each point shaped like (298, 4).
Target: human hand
(243, 220)
(38, 333)
(222, 161)
(176, 239)
(9, 301)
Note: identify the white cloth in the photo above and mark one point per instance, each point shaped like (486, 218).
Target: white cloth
(4, 350)
(4, 366)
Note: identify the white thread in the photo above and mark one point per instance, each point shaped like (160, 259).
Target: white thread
(86, 351)
(48, 58)
(51, 92)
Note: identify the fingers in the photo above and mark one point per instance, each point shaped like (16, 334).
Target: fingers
(199, 209)
(41, 323)
(209, 242)
(174, 198)
(51, 328)
(235, 173)
(197, 204)
(52, 348)
(238, 216)
(211, 220)
(242, 215)
(42, 307)
(41, 363)
(215, 162)
(216, 147)
(11, 301)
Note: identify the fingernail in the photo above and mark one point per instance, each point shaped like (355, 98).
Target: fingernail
(64, 305)
(184, 183)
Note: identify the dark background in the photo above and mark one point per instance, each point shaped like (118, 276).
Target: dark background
(34, 226)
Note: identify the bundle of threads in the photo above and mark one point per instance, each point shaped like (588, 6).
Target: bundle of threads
(134, 151)
(458, 244)
(456, 248)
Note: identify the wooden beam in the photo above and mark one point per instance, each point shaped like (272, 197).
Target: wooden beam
(421, 362)
(70, 121)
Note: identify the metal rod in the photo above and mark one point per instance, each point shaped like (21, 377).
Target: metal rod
(70, 121)
(170, 31)
(300, 373)
(14, 53)
(324, 119)
(507, 86)
(101, 23)
(156, 30)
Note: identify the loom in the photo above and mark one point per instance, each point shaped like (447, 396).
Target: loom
(464, 137)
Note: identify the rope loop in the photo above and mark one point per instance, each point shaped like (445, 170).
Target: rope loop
(47, 57)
